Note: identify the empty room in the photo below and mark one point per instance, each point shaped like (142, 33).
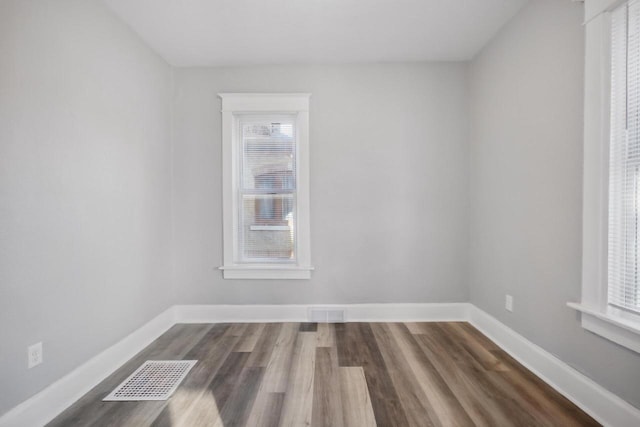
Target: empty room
(327, 213)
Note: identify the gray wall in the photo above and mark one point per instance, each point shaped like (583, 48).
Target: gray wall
(388, 183)
(84, 187)
(526, 189)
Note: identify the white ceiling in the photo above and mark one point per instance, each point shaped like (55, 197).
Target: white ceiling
(239, 32)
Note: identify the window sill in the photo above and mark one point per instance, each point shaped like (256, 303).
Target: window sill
(621, 330)
(269, 272)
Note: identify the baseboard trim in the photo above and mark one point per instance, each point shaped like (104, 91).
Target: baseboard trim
(604, 406)
(47, 404)
(300, 312)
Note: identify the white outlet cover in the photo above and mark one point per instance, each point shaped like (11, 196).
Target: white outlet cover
(508, 303)
(34, 355)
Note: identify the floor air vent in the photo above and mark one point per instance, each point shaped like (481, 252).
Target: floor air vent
(326, 315)
(154, 380)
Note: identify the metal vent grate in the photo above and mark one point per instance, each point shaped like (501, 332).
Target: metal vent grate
(154, 380)
(326, 315)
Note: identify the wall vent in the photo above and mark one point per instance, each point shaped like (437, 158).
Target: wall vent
(327, 314)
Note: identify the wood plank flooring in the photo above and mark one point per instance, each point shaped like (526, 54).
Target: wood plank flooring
(334, 375)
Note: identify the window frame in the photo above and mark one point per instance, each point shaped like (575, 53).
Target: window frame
(233, 106)
(597, 315)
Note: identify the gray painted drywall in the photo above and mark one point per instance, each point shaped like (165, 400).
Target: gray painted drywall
(84, 187)
(388, 183)
(526, 189)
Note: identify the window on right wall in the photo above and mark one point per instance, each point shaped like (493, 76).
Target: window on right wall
(610, 300)
(623, 266)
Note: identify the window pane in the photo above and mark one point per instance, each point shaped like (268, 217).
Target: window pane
(268, 147)
(624, 159)
(267, 188)
(267, 227)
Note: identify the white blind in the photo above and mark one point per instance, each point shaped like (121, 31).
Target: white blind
(624, 160)
(267, 189)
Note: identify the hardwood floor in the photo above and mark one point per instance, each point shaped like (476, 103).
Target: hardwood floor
(338, 375)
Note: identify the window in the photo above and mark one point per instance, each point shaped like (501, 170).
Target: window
(610, 302)
(624, 160)
(267, 189)
(266, 186)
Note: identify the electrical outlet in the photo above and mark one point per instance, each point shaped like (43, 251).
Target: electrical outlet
(508, 303)
(34, 355)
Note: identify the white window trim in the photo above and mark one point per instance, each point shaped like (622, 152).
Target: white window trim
(596, 315)
(236, 103)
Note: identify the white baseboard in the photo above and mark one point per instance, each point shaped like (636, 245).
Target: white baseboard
(300, 312)
(438, 312)
(239, 313)
(604, 406)
(44, 406)
(601, 404)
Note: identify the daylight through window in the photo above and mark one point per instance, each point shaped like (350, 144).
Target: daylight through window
(624, 160)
